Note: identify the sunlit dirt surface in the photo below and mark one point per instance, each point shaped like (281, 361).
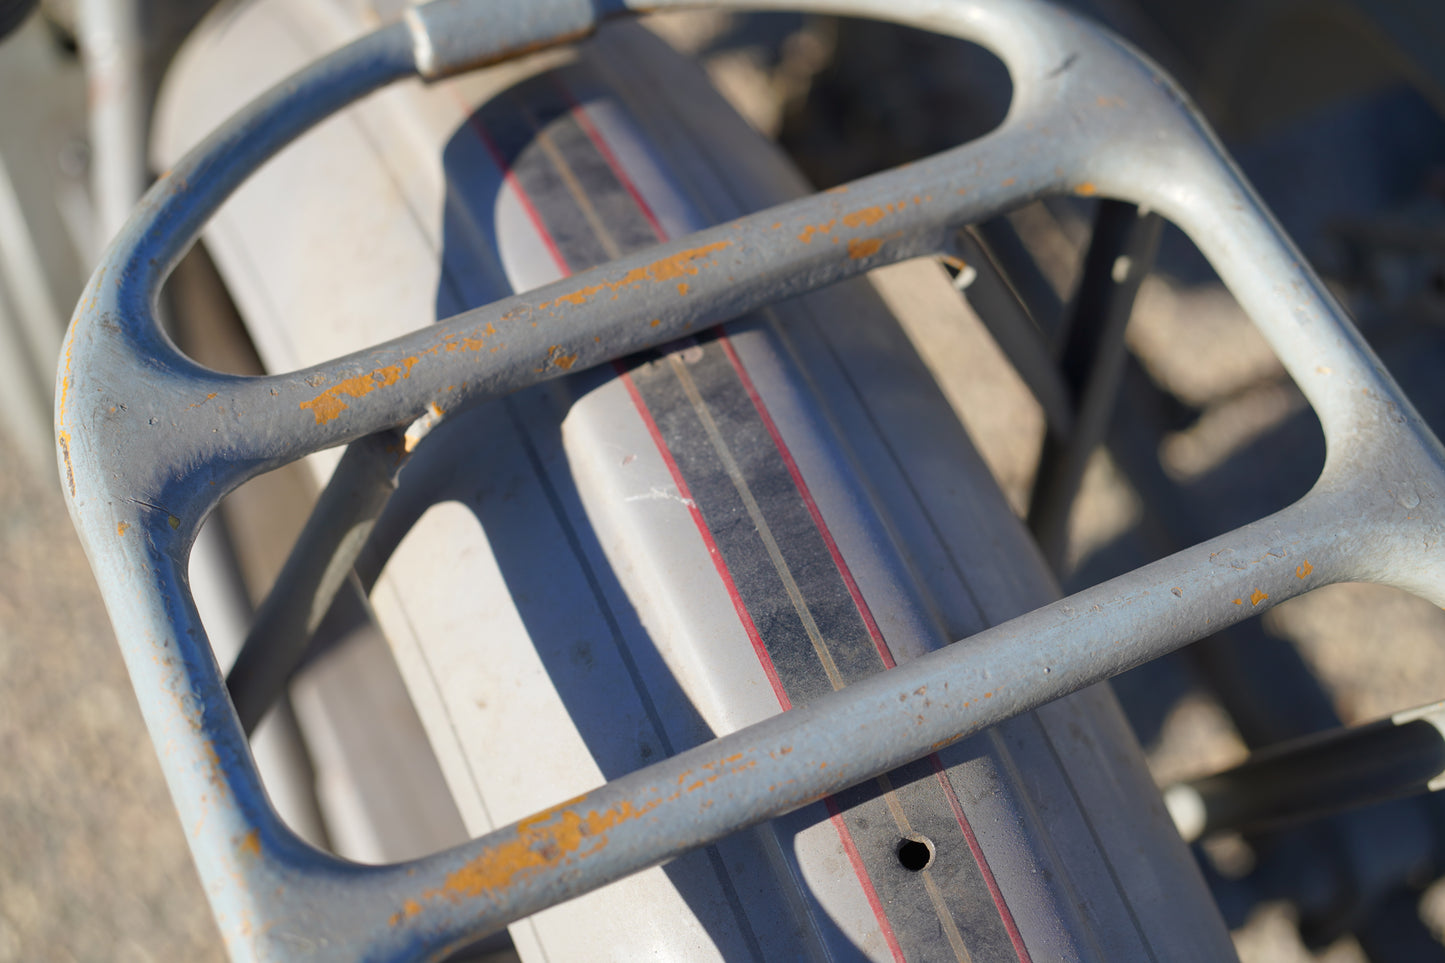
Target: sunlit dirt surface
(93, 865)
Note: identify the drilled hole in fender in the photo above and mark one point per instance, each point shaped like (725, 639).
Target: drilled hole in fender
(915, 853)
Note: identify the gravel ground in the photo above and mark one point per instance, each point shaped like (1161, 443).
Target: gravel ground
(93, 865)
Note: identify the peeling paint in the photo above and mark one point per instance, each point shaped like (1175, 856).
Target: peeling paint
(861, 247)
(681, 264)
(459, 342)
(868, 216)
(552, 838)
(807, 236)
(557, 359)
(328, 405)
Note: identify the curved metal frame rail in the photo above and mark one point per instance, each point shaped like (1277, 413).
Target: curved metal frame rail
(149, 442)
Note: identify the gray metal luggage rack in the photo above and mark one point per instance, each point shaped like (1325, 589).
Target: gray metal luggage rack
(149, 442)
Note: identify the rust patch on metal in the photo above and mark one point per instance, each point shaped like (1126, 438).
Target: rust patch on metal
(121, 527)
(203, 400)
(1304, 569)
(807, 236)
(681, 264)
(840, 189)
(861, 247)
(556, 359)
(716, 770)
(328, 405)
(549, 839)
(1086, 189)
(1258, 597)
(868, 216)
(682, 288)
(460, 342)
(251, 843)
(553, 839)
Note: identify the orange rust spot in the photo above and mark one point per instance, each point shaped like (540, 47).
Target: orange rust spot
(655, 322)
(1239, 601)
(682, 288)
(1008, 182)
(861, 247)
(1258, 597)
(552, 838)
(251, 843)
(1086, 189)
(558, 359)
(840, 189)
(777, 224)
(458, 342)
(988, 695)
(328, 405)
(203, 400)
(681, 264)
(408, 909)
(120, 528)
(868, 216)
(807, 236)
(1304, 569)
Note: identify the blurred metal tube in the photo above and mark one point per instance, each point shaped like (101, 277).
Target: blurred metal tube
(1316, 776)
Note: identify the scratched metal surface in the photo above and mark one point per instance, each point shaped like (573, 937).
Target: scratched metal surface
(1383, 464)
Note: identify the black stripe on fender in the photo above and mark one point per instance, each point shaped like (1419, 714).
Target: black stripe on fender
(811, 627)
